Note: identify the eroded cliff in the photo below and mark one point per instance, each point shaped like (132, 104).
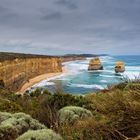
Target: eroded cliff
(16, 69)
(14, 73)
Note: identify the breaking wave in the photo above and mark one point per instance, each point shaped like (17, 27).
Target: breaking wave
(87, 86)
(78, 79)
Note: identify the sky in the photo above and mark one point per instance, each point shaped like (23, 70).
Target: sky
(57, 27)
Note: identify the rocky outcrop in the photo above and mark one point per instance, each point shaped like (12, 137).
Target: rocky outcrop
(95, 64)
(120, 66)
(14, 73)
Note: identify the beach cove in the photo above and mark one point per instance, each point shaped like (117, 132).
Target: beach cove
(78, 80)
(39, 79)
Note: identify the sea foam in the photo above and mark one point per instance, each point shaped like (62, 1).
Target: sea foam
(87, 86)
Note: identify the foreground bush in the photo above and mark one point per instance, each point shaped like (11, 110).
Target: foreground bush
(44, 107)
(116, 116)
(9, 106)
(44, 134)
(73, 113)
(133, 86)
(116, 113)
(12, 126)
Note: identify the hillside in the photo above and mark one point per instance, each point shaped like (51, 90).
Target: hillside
(111, 114)
(11, 56)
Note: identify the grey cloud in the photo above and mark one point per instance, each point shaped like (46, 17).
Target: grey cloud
(7, 12)
(7, 15)
(52, 16)
(3, 9)
(74, 26)
(68, 3)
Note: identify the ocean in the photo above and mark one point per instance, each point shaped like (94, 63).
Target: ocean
(78, 80)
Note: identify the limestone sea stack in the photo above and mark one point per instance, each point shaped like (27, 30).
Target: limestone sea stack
(120, 66)
(95, 64)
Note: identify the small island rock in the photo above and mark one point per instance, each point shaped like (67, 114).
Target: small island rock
(95, 64)
(120, 66)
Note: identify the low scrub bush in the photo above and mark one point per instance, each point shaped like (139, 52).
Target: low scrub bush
(111, 114)
(133, 86)
(9, 106)
(70, 114)
(13, 125)
(44, 134)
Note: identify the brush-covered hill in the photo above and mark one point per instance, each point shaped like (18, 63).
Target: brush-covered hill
(111, 114)
(11, 56)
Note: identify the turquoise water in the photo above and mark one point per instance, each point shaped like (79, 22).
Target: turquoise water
(79, 80)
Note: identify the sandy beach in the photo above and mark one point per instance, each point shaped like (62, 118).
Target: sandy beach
(38, 79)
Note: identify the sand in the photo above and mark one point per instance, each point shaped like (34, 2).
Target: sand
(38, 79)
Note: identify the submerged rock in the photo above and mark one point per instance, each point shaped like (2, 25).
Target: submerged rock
(120, 66)
(95, 64)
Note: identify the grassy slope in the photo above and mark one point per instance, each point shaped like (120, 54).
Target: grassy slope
(11, 56)
(116, 111)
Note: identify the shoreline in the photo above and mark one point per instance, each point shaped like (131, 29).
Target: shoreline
(38, 79)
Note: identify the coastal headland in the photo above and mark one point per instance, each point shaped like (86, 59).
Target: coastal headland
(20, 71)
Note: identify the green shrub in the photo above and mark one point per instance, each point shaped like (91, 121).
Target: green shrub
(61, 100)
(116, 113)
(9, 106)
(121, 107)
(46, 92)
(44, 134)
(121, 86)
(90, 129)
(4, 116)
(73, 113)
(36, 93)
(13, 125)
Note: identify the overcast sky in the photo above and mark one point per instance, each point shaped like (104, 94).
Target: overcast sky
(70, 26)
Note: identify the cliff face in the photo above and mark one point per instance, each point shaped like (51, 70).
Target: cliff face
(14, 73)
(16, 69)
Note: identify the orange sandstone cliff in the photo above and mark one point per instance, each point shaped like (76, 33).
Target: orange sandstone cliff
(16, 69)
(14, 73)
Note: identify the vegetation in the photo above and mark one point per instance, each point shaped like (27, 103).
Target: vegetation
(44, 134)
(110, 114)
(11, 56)
(12, 125)
(70, 114)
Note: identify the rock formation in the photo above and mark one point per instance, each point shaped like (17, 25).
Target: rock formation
(16, 69)
(14, 73)
(120, 66)
(95, 64)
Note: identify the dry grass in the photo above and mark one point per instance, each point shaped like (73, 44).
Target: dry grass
(116, 116)
(116, 112)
